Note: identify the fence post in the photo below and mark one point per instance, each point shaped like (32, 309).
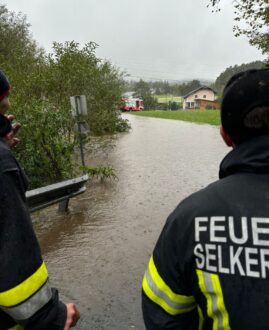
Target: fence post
(63, 206)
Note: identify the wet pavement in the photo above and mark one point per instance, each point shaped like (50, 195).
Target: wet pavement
(97, 252)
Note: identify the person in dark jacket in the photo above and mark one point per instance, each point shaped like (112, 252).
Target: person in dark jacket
(26, 299)
(210, 266)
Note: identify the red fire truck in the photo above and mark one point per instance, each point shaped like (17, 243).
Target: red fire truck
(132, 104)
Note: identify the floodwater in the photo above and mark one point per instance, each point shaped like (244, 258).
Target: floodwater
(97, 253)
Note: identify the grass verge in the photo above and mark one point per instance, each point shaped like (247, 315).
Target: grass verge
(211, 117)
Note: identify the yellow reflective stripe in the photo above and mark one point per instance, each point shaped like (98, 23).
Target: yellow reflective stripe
(203, 288)
(162, 303)
(162, 286)
(201, 318)
(220, 301)
(160, 293)
(17, 327)
(25, 289)
(31, 305)
(211, 288)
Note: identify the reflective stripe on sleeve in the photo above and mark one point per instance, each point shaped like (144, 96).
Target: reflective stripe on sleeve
(26, 289)
(211, 288)
(17, 327)
(28, 308)
(160, 293)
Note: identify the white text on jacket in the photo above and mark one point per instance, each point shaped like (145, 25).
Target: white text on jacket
(232, 245)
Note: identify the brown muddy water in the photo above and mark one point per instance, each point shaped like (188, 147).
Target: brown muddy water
(97, 253)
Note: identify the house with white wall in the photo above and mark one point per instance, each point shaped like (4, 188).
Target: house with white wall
(193, 99)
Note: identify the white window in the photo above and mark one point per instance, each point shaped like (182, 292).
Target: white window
(204, 96)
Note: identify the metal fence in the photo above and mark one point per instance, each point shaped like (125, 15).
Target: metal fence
(60, 192)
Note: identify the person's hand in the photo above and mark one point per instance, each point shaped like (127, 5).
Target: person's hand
(73, 316)
(10, 138)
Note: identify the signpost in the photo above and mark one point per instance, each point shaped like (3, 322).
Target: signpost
(79, 110)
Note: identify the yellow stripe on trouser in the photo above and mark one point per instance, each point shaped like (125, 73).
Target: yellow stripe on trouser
(211, 288)
(25, 289)
(161, 294)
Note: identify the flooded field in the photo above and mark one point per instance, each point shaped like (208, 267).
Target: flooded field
(97, 253)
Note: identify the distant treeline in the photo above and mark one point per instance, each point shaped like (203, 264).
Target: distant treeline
(229, 72)
(41, 88)
(163, 87)
(143, 88)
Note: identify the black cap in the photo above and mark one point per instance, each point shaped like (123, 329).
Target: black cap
(4, 85)
(244, 92)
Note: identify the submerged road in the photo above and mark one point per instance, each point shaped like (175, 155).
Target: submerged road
(97, 253)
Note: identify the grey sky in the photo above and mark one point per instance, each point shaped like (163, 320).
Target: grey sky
(162, 39)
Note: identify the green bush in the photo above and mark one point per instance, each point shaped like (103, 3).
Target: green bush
(174, 106)
(209, 107)
(47, 145)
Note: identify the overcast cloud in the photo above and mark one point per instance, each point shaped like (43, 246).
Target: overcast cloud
(161, 39)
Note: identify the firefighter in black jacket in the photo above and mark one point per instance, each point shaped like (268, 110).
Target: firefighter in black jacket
(210, 266)
(26, 299)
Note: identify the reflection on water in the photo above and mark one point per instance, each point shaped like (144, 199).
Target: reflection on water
(97, 253)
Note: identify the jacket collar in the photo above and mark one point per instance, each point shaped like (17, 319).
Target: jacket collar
(251, 157)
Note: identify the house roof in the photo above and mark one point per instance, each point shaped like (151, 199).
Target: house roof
(198, 89)
(128, 94)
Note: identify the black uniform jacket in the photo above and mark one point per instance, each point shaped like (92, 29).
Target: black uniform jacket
(210, 266)
(26, 299)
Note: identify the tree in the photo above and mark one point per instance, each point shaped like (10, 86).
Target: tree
(19, 53)
(190, 86)
(75, 70)
(223, 78)
(255, 17)
(143, 90)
